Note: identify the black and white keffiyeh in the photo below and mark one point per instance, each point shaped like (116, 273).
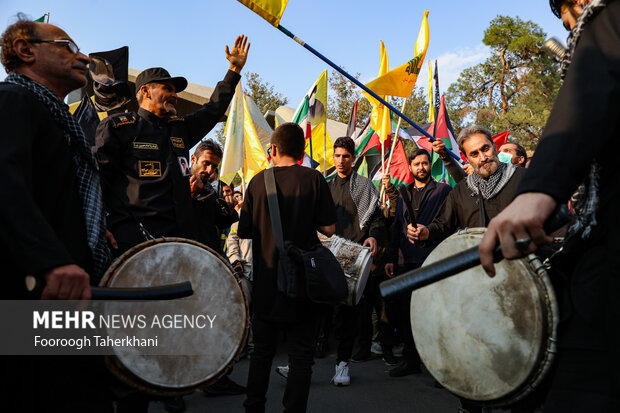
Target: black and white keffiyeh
(360, 188)
(87, 174)
(491, 186)
(586, 218)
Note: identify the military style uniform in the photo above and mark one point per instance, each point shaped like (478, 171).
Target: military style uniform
(144, 164)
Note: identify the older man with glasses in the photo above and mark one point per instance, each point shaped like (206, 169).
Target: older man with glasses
(52, 216)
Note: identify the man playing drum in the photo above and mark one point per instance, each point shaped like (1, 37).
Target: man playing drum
(478, 198)
(426, 197)
(51, 211)
(574, 148)
(359, 219)
(143, 158)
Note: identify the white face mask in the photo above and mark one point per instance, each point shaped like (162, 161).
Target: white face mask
(505, 157)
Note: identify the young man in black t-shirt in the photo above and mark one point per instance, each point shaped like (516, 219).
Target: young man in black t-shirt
(306, 206)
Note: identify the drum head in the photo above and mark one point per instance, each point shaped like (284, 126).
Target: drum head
(482, 338)
(216, 293)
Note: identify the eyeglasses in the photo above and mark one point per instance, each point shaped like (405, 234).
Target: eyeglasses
(269, 150)
(68, 43)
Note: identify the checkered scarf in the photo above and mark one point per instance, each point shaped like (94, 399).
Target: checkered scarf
(86, 171)
(586, 218)
(361, 187)
(493, 185)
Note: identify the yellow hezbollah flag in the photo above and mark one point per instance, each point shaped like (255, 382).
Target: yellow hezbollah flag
(431, 105)
(380, 119)
(270, 10)
(255, 157)
(400, 81)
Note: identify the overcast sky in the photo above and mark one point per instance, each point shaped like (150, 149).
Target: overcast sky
(188, 37)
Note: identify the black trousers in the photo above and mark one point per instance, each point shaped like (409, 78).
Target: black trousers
(371, 300)
(301, 338)
(399, 313)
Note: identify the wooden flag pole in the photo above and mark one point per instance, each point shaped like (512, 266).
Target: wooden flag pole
(366, 89)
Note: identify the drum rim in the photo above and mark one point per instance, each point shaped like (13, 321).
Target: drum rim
(550, 319)
(114, 363)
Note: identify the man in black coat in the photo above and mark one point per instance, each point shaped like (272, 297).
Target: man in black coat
(479, 197)
(427, 196)
(575, 148)
(51, 213)
(144, 155)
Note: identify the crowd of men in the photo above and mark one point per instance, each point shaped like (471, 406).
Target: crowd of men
(73, 208)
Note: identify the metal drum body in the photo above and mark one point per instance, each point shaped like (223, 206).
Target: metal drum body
(216, 291)
(489, 340)
(356, 262)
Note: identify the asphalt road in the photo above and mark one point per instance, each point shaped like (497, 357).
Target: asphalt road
(372, 390)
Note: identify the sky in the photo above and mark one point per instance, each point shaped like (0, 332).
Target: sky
(188, 37)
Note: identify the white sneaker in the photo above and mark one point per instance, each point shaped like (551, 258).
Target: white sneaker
(342, 378)
(375, 348)
(282, 371)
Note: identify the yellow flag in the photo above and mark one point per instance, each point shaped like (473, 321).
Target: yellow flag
(255, 157)
(400, 81)
(431, 106)
(270, 10)
(380, 116)
(318, 151)
(318, 101)
(232, 159)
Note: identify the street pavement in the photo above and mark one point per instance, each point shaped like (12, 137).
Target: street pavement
(372, 390)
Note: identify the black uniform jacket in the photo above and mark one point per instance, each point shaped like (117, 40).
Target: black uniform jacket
(41, 218)
(142, 159)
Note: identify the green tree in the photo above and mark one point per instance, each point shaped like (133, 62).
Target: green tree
(416, 108)
(514, 88)
(262, 93)
(341, 97)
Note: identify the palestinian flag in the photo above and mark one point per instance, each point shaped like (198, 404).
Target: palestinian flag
(399, 169)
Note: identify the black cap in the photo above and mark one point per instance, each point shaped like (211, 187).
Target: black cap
(159, 74)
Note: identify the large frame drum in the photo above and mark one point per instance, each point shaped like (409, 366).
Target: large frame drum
(356, 262)
(489, 340)
(216, 291)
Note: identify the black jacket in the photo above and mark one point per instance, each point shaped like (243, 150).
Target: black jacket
(41, 211)
(140, 156)
(433, 197)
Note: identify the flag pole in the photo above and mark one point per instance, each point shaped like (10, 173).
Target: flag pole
(366, 89)
(325, 137)
(394, 139)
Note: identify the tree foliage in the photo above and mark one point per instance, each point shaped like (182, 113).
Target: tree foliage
(262, 93)
(514, 88)
(341, 98)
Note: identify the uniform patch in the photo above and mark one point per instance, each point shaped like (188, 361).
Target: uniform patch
(177, 142)
(122, 120)
(175, 118)
(145, 145)
(149, 169)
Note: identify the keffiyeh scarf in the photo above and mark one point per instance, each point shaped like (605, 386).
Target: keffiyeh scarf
(493, 185)
(87, 173)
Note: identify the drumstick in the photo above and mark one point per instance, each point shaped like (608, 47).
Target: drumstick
(457, 263)
(160, 292)
(404, 194)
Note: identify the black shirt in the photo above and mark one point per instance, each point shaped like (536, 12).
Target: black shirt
(305, 205)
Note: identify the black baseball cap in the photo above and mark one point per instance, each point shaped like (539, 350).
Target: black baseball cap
(159, 74)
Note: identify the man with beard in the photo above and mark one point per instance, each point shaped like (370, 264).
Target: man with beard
(212, 213)
(477, 199)
(426, 196)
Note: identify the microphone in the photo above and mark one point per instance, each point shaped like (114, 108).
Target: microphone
(556, 48)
